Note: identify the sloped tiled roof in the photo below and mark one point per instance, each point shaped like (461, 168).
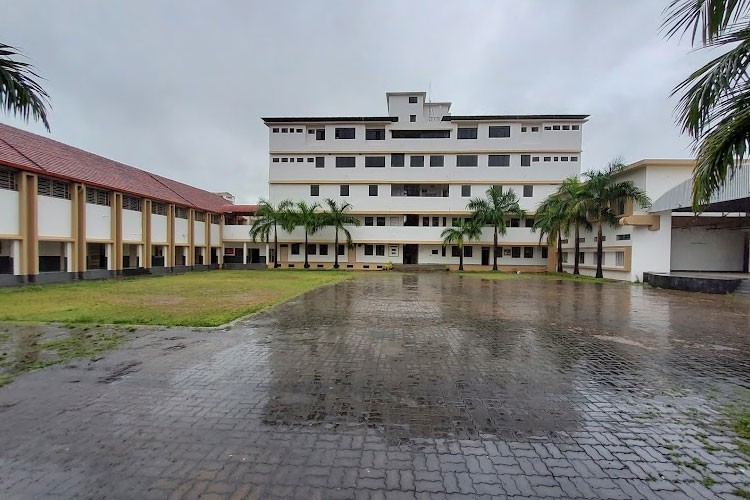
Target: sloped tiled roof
(239, 209)
(27, 151)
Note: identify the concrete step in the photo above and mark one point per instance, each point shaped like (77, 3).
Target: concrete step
(744, 288)
(419, 268)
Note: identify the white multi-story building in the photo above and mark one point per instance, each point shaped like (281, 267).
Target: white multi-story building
(410, 174)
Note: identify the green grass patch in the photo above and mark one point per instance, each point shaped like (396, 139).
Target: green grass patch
(708, 481)
(739, 492)
(502, 275)
(192, 299)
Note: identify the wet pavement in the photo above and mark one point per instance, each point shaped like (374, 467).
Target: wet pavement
(402, 386)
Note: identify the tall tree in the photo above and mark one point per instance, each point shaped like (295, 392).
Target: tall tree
(714, 107)
(268, 217)
(602, 193)
(338, 216)
(551, 220)
(572, 194)
(464, 230)
(20, 94)
(494, 211)
(306, 215)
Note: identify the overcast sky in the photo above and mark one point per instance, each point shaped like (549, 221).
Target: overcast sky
(178, 88)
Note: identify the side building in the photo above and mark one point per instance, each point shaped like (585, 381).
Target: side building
(69, 214)
(410, 174)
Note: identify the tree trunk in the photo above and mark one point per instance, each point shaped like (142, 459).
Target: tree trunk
(599, 252)
(577, 248)
(494, 252)
(460, 258)
(559, 253)
(336, 250)
(307, 264)
(275, 249)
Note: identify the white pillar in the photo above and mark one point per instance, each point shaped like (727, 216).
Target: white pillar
(244, 252)
(140, 256)
(15, 252)
(69, 257)
(108, 255)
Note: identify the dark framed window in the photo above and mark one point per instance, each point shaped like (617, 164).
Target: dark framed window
(341, 250)
(320, 161)
(380, 250)
(275, 130)
(535, 129)
(295, 249)
(566, 127)
(299, 130)
(455, 252)
(413, 99)
(467, 160)
(375, 134)
(581, 257)
(416, 161)
(575, 127)
(545, 252)
(467, 133)
(515, 252)
(284, 131)
(311, 249)
(344, 190)
(425, 221)
(528, 252)
(314, 190)
(158, 208)
(523, 129)
(466, 190)
(501, 131)
(547, 158)
(412, 118)
(310, 131)
(525, 160)
(368, 249)
(344, 133)
(373, 190)
(468, 251)
(534, 158)
(529, 222)
(181, 212)
(380, 221)
(555, 127)
(323, 249)
(397, 160)
(515, 222)
(528, 191)
(275, 160)
(285, 160)
(345, 162)
(310, 159)
(498, 161)
(46, 186)
(300, 160)
(320, 134)
(420, 134)
(375, 161)
(437, 161)
(97, 197)
(369, 221)
(436, 221)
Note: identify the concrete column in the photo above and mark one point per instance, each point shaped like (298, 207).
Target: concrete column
(191, 237)
(170, 236)
(15, 252)
(70, 256)
(244, 252)
(146, 233)
(108, 254)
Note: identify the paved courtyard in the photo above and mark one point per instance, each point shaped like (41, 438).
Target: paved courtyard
(402, 386)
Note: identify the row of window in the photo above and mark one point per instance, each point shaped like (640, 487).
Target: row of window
(619, 237)
(313, 249)
(528, 190)
(8, 179)
(434, 221)
(619, 258)
(378, 134)
(512, 252)
(399, 160)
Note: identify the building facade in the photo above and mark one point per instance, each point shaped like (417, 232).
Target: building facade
(410, 174)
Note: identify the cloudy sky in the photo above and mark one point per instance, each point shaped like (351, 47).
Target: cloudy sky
(178, 88)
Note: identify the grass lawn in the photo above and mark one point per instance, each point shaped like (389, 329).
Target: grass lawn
(192, 299)
(501, 275)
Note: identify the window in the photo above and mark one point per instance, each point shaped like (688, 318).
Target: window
(181, 212)
(545, 252)
(412, 118)
(344, 133)
(467, 160)
(498, 161)
(466, 190)
(98, 197)
(528, 252)
(375, 134)
(131, 203)
(314, 190)
(8, 179)
(455, 221)
(320, 134)
(310, 159)
(529, 222)
(345, 162)
(623, 237)
(300, 160)
(275, 130)
(158, 208)
(344, 190)
(420, 134)
(556, 158)
(285, 160)
(369, 221)
(619, 259)
(284, 130)
(547, 127)
(443, 252)
(535, 129)
(467, 133)
(468, 251)
(341, 250)
(380, 221)
(295, 248)
(515, 222)
(215, 219)
(436, 221)
(299, 130)
(380, 250)
(515, 252)
(311, 247)
(502, 131)
(555, 127)
(437, 161)
(563, 158)
(534, 158)
(275, 160)
(413, 99)
(573, 158)
(565, 257)
(575, 127)
(547, 158)
(199, 216)
(373, 189)
(320, 161)
(395, 221)
(425, 221)
(416, 161)
(525, 160)
(581, 257)
(397, 160)
(368, 249)
(528, 191)
(455, 252)
(52, 187)
(375, 161)
(523, 129)
(323, 249)
(310, 131)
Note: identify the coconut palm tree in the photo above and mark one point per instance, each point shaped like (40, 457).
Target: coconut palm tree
(551, 221)
(464, 230)
(337, 216)
(714, 107)
(494, 211)
(602, 192)
(306, 215)
(269, 217)
(20, 94)
(572, 194)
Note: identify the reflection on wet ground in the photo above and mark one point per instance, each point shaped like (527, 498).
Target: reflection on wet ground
(407, 385)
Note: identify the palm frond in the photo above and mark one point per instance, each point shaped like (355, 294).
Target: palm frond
(20, 94)
(704, 20)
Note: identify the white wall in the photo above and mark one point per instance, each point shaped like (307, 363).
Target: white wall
(132, 225)
(54, 217)
(698, 249)
(98, 222)
(651, 249)
(215, 234)
(199, 232)
(9, 211)
(180, 231)
(158, 228)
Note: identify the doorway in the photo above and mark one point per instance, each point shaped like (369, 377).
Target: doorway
(411, 254)
(485, 256)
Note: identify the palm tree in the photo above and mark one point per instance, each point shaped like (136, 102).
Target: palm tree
(20, 94)
(714, 107)
(306, 215)
(269, 217)
(337, 216)
(551, 221)
(602, 192)
(572, 194)
(494, 210)
(463, 230)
